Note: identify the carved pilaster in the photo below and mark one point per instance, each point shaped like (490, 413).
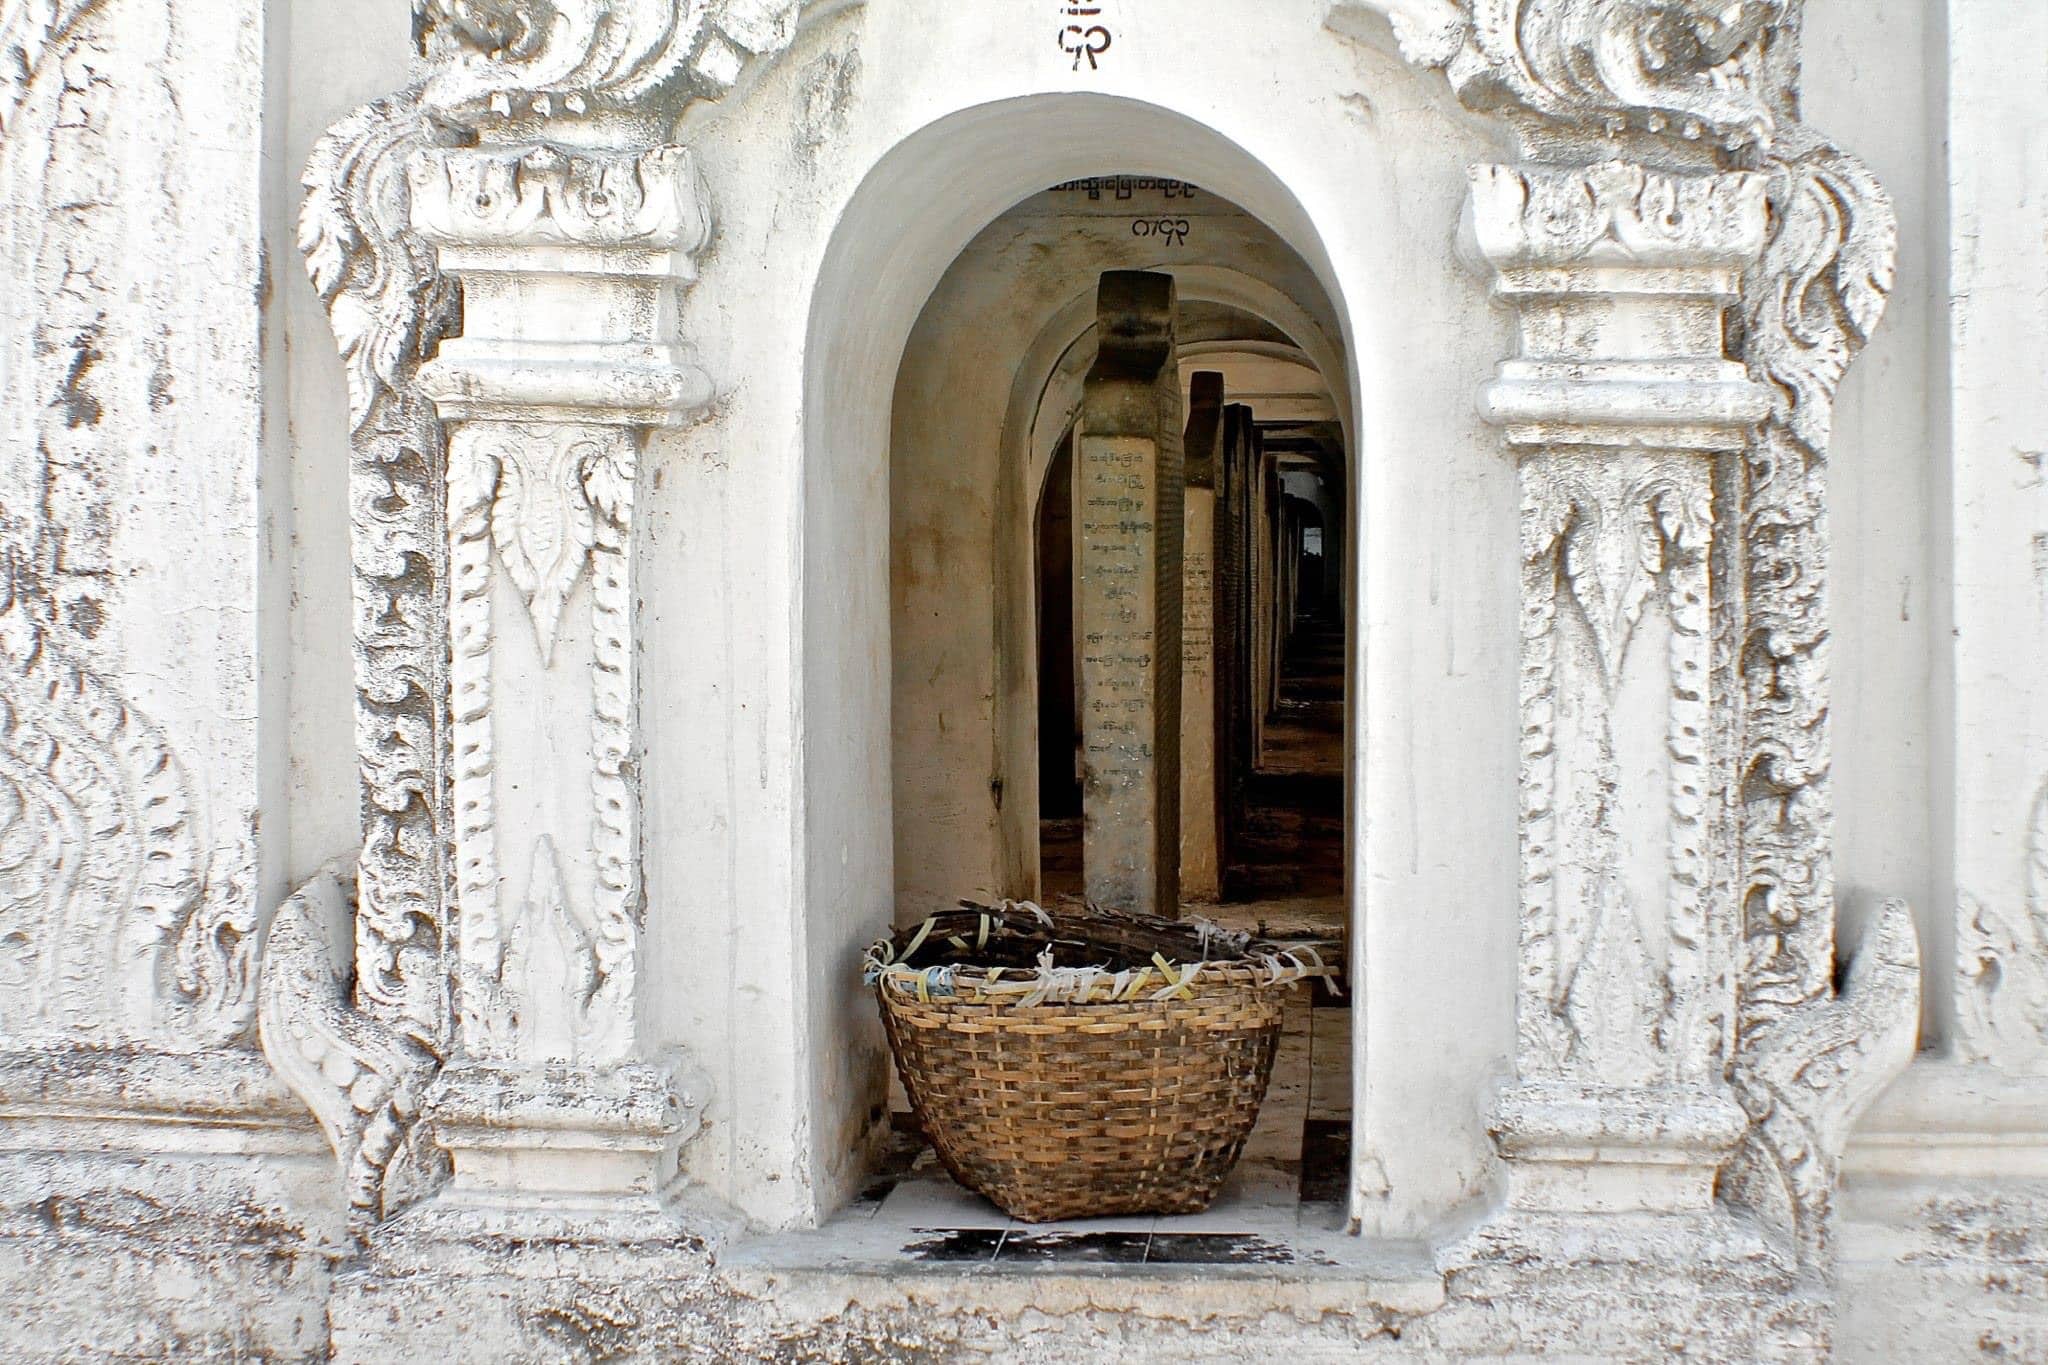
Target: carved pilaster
(1619, 406)
(569, 261)
(563, 235)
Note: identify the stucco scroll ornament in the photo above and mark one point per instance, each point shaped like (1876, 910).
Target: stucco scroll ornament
(548, 57)
(1808, 308)
(110, 928)
(389, 308)
(1699, 69)
(2002, 963)
(363, 1080)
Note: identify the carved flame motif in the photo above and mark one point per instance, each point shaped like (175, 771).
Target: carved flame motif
(540, 521)
(389, 307)
(550, 969)
(1613, 534)
(107, 928)
(542, 515)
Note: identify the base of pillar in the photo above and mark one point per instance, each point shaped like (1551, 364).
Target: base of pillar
(569, 1135)
(1587, 1149)
(1705, 1285)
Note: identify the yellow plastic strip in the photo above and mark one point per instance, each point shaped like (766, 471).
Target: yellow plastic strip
(1174, 987)
(917, 940)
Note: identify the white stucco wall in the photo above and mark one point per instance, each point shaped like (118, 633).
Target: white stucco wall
(1875, 80)
(334, 58)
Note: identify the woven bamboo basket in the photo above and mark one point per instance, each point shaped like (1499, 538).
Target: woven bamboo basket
(1080, 1063)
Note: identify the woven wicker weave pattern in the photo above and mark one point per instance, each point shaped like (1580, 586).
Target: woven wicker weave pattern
(1124, 1101)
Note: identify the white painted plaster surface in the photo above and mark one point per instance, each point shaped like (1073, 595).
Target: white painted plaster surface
(1996, 815)
(847, 180)
(336, 57)
(1877, 69)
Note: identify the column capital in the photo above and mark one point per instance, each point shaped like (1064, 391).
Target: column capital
(570, 260)
(1619, 275)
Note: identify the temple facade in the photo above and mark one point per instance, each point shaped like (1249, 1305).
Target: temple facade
(535, 530)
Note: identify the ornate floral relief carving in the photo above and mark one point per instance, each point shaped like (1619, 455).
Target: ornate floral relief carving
(362, 1079)
(1697, 70)
(2002, 963)
(538, 195)
(1610, 533)
(600, 466)
(390, 307)
(568, 57)
(1807, 309)
(110, 930)
(1805, 1077)
(1616, 211)
(1579, 74)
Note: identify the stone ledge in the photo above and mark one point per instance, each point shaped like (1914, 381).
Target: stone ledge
(1954, 1121)
(135, 1099)
(803, 1269)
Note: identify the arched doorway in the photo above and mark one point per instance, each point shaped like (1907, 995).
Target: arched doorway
(983, 594)
(1418, 844)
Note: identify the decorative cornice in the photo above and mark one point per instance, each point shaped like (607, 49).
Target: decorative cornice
(623, 224)
(1619, 276)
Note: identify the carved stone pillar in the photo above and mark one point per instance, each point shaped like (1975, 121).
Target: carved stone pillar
(1201, 812)
(1127, 482)
(569, 262)
(1621, 408)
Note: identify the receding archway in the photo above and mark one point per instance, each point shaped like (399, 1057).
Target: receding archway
(875, 280)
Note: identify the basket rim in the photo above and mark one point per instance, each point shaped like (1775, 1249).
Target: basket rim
(1245, 962)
